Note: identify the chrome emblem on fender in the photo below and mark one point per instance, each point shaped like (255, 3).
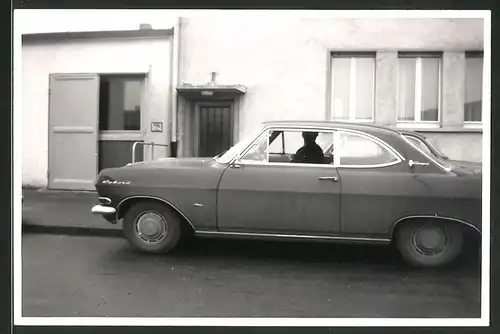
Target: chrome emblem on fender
(115, 182)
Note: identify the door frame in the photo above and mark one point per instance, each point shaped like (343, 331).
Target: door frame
(196, 119)
(127, 135)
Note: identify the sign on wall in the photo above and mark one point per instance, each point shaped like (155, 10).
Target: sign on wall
(156, 126)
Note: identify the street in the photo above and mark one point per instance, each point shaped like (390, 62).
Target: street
(100, 276)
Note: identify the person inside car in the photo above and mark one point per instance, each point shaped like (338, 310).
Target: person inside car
(311, 152)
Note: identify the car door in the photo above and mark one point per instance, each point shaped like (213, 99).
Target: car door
(257, 195)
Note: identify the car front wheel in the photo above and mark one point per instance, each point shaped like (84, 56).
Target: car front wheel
(151, 227)
(429, 243)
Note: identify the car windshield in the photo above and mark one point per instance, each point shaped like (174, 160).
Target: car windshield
(228, 155)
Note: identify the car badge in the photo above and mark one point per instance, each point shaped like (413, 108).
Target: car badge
(115, 182)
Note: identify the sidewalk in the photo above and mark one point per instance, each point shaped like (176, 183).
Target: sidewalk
(64, 212)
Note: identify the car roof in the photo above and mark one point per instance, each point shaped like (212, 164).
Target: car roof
(339, 124)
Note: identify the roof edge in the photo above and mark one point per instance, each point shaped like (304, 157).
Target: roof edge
(347, 124)
(57, 36)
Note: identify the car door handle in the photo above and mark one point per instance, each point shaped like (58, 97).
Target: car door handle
(328, 178)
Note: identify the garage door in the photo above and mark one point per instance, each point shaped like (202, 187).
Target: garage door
(73, 131)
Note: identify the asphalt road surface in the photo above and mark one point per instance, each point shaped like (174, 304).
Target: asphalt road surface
(100, 276)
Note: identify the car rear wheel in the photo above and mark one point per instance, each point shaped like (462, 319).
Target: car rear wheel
(429, 243)
(151, 227)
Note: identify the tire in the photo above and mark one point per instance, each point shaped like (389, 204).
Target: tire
(161, 228)
(429, 243)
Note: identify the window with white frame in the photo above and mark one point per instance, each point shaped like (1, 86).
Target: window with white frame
(419, 87)
(473, 87)
(353, 86)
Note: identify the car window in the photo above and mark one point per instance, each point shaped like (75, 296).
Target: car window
(288, 142)
(357, 150)
(258, 150)
(284, 145)
(325, 141)
(231, 153)
(419, 144)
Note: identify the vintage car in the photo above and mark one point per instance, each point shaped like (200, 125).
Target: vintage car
(374, 185)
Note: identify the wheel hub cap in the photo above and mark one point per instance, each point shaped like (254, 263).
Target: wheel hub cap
(151, 227)
(430, 240)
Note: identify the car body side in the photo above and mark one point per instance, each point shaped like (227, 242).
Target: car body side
(373, 201)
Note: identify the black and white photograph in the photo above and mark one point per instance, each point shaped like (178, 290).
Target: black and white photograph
(251, 168)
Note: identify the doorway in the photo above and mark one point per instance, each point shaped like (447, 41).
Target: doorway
(94, 121)
(215, 127)
(121, 115)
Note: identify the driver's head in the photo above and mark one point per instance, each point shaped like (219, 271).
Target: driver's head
(309, 137)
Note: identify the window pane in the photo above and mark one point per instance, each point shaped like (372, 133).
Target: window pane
(114, 153)
(473, 89)
(356, 150)
(276, 146)
(419, 144)
(306, 147)
(120, 103)
(341, 74)
(325, 141)
(430, 89)
(365, 73)
(258, 151)
(293, 141)
(406, 89)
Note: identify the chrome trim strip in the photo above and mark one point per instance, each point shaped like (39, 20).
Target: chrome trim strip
(105, 200)
(318, 237)
(103, 210)
(158, 199)
(259, 163)
(435, 217)
(387, 164)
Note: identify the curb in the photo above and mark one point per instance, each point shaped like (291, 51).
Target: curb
(71, 230)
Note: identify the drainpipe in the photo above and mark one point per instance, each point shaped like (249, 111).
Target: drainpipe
(175, 80)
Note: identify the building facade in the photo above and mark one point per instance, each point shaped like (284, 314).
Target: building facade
(422, 74)
(87, 98)
(201, 86)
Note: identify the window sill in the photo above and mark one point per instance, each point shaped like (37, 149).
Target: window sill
(417, 125)
(449, 130)
(435, 127)
(365, 121)
(473, 125)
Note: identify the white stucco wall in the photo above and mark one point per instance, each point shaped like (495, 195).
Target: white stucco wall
(101, 56)
(459, 146)
(284, 62)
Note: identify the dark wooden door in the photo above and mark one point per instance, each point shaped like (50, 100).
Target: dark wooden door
(216, 129)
